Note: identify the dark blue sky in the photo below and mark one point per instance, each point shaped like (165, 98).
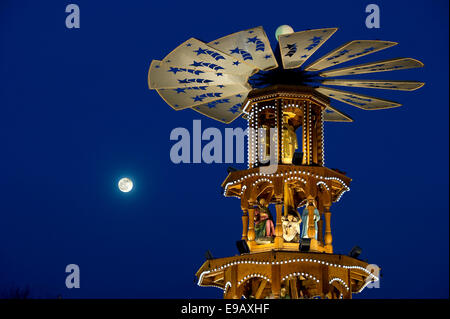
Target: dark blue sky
(76, 115)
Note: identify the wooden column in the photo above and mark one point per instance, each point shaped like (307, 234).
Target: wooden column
(324, 282)
(245, 225)
(279, 117)
(251, 223)
(260, 289)
(293, 288)
(320, 138)
(311, 228)
(305, 134)
(349, 292)
(315, 139)
(279, 227)
(320, 224)
(328, 237)
(276, 281)
(234, 288)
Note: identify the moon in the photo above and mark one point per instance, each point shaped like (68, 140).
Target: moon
(283, 29)
(125, 185)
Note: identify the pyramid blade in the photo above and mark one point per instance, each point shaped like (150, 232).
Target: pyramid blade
(378, 66)
(198, 55)
(181, 98)
(333, 115)
(349, 51)
(250, 46)
(362, 101)
(297, 47)
(162, 76)
(377, 84)
(225, 110)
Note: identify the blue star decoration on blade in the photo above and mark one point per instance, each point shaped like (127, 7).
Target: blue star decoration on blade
(236, 63)
(216, 56)
(180, 90)
(245, 55)
(315, 42)
(259, 44)
(174, 70)
(200, 51)
(292, 49)
(340, 53)
(235, 51)
(366, 50)
(235, 108)
(354, 102)
(213, 104)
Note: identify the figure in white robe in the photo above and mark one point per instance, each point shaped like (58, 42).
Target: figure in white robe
(291, 226)
(305, 222)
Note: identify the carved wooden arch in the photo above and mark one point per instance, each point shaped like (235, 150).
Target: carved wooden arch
(324, 195)
(339, 286)
(243, 285)
(260, 188)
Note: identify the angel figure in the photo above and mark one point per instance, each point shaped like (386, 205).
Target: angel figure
(291, 226)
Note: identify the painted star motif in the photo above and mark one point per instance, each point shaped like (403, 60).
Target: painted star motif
(236, 63)
(196, 63)
(188, 45)
(200, 51)
(180, 90)
(235, 51)
(316, 39)
(267, 56)
(252, 40)
(174, 70)
(197, 99)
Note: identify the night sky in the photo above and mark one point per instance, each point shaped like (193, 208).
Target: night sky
(76, 115)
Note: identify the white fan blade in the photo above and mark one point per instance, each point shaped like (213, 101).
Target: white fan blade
(333, 115)
(166, 76)
(200, 56)
(349, 51)
(377, 84)
(181, 98)
(250, 46)
(378, 66)
(225, 110)
(297, 47)
(362, 101)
